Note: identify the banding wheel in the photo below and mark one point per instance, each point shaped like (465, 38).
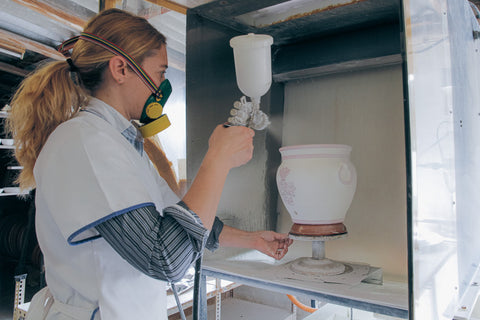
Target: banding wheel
(317, 264)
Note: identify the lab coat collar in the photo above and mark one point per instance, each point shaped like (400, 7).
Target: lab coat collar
(117, 120)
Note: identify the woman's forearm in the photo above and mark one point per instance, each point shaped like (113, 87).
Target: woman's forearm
(232, 237)
(204, 194)
(227, 148)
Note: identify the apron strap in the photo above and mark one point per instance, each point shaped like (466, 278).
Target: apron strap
(73, 311)
(43, 303)
(40, 305)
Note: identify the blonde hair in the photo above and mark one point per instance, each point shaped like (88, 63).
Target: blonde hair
(49, 96)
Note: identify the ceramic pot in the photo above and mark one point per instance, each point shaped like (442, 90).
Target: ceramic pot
(317, 183)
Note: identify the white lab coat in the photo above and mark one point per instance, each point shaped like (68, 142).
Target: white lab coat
(86, 173)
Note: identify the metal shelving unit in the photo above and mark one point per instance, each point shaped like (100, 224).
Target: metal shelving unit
(249, 268)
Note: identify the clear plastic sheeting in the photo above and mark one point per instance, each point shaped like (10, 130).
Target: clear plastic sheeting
(443, 80)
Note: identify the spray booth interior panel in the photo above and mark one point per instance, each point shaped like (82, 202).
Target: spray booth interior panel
(343, 75)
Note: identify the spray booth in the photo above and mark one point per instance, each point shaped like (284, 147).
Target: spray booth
(398, 82)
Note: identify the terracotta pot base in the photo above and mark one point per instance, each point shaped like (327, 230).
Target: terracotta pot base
(318, 230)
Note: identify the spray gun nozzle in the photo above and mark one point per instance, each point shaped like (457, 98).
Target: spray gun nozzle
(248, 114)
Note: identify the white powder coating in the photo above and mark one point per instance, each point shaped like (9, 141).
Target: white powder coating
(248, 114)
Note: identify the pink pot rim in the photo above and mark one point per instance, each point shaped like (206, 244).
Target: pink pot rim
(319, 146)
(314, 222)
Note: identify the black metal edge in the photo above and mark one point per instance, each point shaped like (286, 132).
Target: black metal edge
(232, 8)
(366, 43)
(408, 164)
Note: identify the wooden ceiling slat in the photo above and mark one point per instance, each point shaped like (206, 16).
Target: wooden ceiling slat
(170, 5)
(31, 45)
(53, 13)
(13, 70)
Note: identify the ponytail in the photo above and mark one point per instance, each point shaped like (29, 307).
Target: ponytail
(49, 96)
(44, 100)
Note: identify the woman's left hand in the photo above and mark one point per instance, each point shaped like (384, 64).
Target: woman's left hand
(272, 243)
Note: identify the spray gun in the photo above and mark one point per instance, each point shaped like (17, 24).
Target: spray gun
(248, 114)
(253, 68)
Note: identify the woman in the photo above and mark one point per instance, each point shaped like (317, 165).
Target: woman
(111, 231)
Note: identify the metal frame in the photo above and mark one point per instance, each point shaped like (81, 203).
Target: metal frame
(312, 23)
(353, 303)
(18, 312)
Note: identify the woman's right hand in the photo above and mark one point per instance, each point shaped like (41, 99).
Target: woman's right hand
(231, 146)
(227, 148)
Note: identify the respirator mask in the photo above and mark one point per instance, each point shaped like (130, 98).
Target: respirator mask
(152, 119)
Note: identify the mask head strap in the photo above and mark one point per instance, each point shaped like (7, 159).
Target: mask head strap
(107, 45)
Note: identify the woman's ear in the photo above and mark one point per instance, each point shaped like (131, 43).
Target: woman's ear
(118, 68)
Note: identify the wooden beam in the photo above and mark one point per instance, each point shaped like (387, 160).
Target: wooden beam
(12, 47)
(53, 13)
(170, 5)
(111, 3)
(31, 45)
(13, 70)
(107, 4)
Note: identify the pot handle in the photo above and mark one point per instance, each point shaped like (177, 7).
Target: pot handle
(346, 173)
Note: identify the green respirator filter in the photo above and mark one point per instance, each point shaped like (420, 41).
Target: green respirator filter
(153, 108)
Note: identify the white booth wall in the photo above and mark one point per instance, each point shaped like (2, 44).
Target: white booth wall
(363, 109)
